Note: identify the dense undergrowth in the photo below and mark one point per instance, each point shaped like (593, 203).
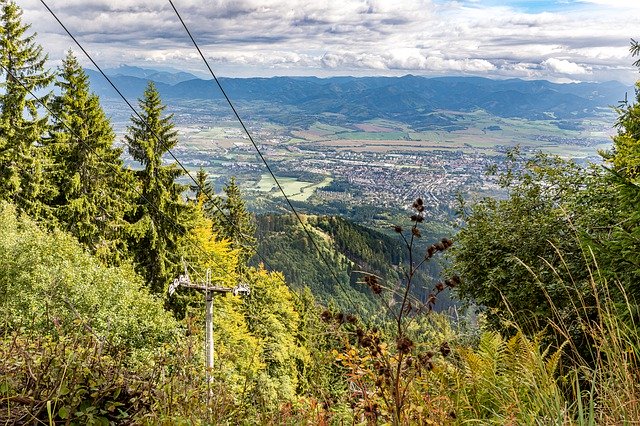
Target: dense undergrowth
(77, 362)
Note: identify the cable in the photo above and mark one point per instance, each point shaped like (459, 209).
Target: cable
(187, 172)
(170, 220)
(158, 139)
(235, 112)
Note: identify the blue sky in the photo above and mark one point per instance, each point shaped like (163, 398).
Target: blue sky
(530, 6)
(564, 41)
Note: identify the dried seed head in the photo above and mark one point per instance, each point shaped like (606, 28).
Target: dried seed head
(404, 345)
(408, 308)
(351, 319)
(445, 349)
(398, 229)
(447, 242)
(439, 247)
(409, 361)
(440, 286)
(367, 342)
(453, 281)
(340, 318)
(419, 201)
(416, 232)
(372, 282)
(326, 316)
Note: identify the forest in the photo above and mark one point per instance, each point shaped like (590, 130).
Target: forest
(547, 277)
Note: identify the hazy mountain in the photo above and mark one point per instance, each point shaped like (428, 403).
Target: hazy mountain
(411, 99)
(167, 76)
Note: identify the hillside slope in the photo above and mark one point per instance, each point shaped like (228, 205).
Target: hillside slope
(350, 250)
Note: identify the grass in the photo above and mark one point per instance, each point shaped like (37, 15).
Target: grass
(297, 190)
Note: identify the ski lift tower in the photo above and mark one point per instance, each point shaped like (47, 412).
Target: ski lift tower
(209, 291)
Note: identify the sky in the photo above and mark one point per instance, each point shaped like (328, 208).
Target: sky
(557, 40)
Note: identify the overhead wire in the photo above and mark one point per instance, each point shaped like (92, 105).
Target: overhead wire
(262, 157)
(135, 189)
(297, 215)
(153, 133)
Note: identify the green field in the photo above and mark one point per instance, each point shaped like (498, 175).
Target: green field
(295, 189)
(480, 133)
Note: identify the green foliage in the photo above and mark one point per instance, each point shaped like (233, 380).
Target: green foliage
(287, 248)
(67, 379)
(517, 254)
(272, 317)
(162, 215)
(621, 253)
(507, 381)
(203, 189)
(232, 221)
(49, 284)
(93, 188)
(22, 178)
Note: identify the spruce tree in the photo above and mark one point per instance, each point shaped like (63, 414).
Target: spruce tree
(21, 126)
(239, 226)
(162, 216)
(202, 189)
(93, 189)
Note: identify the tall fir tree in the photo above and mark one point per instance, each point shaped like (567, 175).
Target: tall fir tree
(93, 192)
(239, 225)
(21, 126)
(162, 215)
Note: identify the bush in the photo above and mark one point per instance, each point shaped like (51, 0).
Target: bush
(50, 285)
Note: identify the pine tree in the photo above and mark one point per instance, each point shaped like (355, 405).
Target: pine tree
(162, 215)
(21, 127)
(239, 225)
(93, 188)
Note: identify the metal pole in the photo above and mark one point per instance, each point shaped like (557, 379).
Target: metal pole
(209, 337)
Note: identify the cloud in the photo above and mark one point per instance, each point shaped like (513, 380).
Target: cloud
(270, 37)
(562, 66)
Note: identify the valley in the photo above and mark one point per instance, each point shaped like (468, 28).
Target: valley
(333, 165)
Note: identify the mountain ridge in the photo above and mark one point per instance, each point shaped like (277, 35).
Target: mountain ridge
(409, 98)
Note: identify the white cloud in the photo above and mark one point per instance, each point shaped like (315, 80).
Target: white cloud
(562, 66)
(623, 4)
(337, 37)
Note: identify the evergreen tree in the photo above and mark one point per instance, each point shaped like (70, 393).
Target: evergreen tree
(620, 252)
(203, 188)
(239, 225)
(21, 127)
(162, 215)
(93, 193)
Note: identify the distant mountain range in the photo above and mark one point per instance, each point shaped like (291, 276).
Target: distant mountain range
(410, 99)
